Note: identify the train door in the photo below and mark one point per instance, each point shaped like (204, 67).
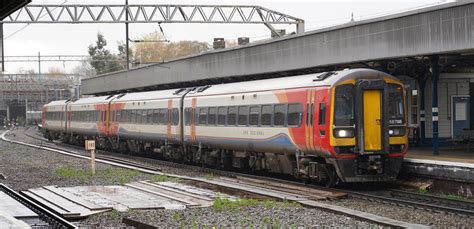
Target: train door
(371, 106)
(372, 120)
(320, 120)
(309, 124)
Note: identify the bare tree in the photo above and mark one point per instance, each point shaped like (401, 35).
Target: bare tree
(153, 51)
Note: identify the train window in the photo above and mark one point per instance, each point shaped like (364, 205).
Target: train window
(202, 115)
(344, 105)
(231, 116)
(243, 115)
(163, 116)
(211, 118)
(126, 116)
(221, 114)
(187, 116)
(395, 105)
(267, 111)
(175, 116)
(138, 116)
(322, 114)
(145, 116)
(149, 116)
(118, 116)
(156, 115)
(254, 115)
(295, 112)
(133, 116)
(279, 115)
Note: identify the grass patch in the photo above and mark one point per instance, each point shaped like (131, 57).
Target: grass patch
(423, 191)
(111, 173)
(164, 178)
(222, 204)
(69, 172)
(453, 196)
(209, 176)
(114, 214)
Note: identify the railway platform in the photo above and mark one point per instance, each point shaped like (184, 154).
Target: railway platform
(452, 163)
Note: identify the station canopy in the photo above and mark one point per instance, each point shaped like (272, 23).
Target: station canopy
(9, 6)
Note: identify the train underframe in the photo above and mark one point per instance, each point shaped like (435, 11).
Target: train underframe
(329, 171)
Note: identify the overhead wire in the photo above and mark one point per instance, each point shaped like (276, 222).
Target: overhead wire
(25, 26)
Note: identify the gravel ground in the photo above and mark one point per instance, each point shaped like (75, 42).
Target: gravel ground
(411, 215)
(19, 135)
(254, 216)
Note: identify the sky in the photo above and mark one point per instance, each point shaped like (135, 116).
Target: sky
(73, 39)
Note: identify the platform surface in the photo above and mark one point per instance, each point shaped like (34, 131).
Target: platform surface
(446, 154)
(14, 208)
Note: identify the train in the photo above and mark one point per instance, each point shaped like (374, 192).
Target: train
(332, 127)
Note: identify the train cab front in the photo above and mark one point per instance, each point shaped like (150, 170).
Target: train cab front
(368, 129)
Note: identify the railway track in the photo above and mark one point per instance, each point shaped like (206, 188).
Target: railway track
(408, 199)
(47, 217)
(243, 178)
(444, 204)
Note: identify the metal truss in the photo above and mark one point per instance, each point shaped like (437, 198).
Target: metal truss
(152, 14)
(35, 88)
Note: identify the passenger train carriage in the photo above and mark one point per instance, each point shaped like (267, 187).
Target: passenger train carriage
(347, 126)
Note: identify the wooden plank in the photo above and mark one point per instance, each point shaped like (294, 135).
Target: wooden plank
(69, 206)
(123, 198)
(285, 188)
(296, 188)
(209, 194)
(257, 190)
(162, 193)
(176, 190)
(76, 199)
(49, 204)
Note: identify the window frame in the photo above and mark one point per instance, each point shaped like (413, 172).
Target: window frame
(209, 115)
(246, 115)
(235, 115)
(285, 111)
(259, 109)
(200, 113)
(300, 112)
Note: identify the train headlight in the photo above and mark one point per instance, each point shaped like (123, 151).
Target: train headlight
(397, 131)
(344, 133)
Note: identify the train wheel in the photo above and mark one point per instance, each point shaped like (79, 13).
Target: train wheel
(331, 179)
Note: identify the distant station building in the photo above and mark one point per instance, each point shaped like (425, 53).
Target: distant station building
(431, 49)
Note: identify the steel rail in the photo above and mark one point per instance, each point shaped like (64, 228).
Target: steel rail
(437, 200)
(55, 221)
(408, 203)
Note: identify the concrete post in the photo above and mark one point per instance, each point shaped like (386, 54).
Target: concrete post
(300, 27)
(434, 101)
